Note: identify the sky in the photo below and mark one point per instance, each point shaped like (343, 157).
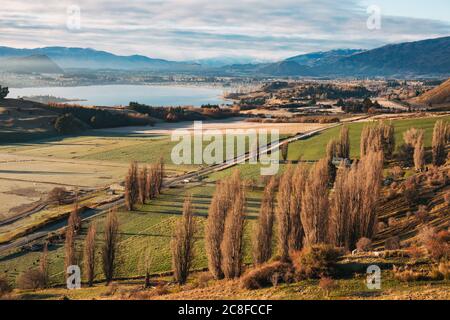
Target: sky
(196, 29)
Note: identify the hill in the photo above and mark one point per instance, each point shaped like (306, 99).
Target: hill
(426, 57)
(439, 95)
(22, 120)
(86, 58)
(323, 57)
(30, 64)
(411, 59)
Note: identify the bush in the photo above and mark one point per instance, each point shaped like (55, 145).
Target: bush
(316, 261)
(408, 275)
(327, 284)
(392, 243)
(68, 124)
(31, 279)
(422, 214)
(269, 274)
(364, 245)
(437, 244)
(447, 198)
(5, 287)
(411, 190)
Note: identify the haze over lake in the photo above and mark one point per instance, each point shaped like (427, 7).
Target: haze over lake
(114, 95)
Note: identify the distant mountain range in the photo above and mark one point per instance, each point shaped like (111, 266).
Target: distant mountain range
(30, 64)
(412, 59)
(80, 58)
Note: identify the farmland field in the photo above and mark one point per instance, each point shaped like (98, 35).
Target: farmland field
(314, 148)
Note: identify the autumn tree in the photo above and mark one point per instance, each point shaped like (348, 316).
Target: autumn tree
(74, 217)
(441, 134)
(232, 243)
(183, 242)
(89, 254)
(298, 181)
(344, 143)
(110, 245)
(142, 179)
(215, 223)
(283, 213)
(69, 247)
(419, 152)
(263, 233)
(132, 186)
(43, 266)
(315, 204)
(340, 219)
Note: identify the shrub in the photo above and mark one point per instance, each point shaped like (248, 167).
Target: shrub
(411, 190)
(407, 275)
(316, 261)
(266, 275)
(392, 222)
(68, 124)
(444, 269)
(414, 252)
(364, 245)
(437, 244)
(422, 214)
(31, 279)
(392, 243)
(5, 287)
(447, 198)
(397, 172)
(327, 284)
(58, 195)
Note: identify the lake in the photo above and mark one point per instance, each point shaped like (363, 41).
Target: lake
(115, 95)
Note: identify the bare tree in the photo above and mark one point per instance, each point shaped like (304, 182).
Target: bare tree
(132, 186)
(262, 239)
(89, 254)
(315, 205)
(74, 217)
(232, 244)
(440, 139)
(109, 249)
(284, 151)
(43, 266)
(183, 243)
(419, 152)
(296, 234)
(344, 143)
(146, 265)
(142, 185)
(69, 248)
(340, 220)
(215, 223)
(283, 213)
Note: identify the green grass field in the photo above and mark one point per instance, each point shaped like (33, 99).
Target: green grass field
(314, 148)
(148, 228)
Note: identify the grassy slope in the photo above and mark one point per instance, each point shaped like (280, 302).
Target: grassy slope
(314, 148)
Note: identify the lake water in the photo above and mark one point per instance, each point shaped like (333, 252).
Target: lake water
(115, 95)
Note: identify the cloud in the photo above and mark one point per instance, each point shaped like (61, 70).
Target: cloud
(194, 29)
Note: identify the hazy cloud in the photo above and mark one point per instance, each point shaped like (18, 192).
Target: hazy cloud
(190, 29)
